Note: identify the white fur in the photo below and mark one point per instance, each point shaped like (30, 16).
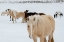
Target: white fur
(31, 30)
(14, 12)
(37, 17)
(58, 12)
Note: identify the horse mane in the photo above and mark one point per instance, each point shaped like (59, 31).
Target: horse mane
(26, 11)
(42, 14)
(38, 19)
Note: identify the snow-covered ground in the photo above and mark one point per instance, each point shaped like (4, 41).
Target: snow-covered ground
(17, 32)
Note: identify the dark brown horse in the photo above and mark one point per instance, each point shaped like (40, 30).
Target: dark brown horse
(27, 14)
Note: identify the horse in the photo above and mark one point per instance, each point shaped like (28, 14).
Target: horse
(8, 14)
(14, 14)
(27, 14)
(58, 13)
(41, 26)
(4, 12)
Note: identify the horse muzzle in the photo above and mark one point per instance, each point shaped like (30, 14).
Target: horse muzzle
(30, 37)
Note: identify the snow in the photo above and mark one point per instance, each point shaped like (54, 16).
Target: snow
(17, 32)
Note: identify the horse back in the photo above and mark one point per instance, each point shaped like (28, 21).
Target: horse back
(29, 14)
(42, 14)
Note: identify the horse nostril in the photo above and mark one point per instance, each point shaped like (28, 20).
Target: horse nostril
(29, 35)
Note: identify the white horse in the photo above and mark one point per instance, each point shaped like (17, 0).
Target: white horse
(41, 26)
(58, 13)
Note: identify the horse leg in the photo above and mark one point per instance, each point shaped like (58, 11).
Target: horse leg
(54, 16)
(15, 20)
(35, 39)
(23, 20)
(42, 38)
(51, 38)
(45, 40)
(10, 18)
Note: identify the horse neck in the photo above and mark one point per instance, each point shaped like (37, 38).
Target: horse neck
(36, 23)
(39, 21)
(11, 14)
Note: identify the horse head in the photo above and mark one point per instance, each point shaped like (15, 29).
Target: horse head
(26, 11)
(32, 24)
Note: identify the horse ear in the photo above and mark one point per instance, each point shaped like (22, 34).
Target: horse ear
(34, 19)
(8, 9)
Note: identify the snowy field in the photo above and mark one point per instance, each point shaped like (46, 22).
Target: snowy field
(17, 32)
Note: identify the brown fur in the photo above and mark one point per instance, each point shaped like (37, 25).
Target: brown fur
(45, 26)
(18, 15)
(52, 21)
(42, 14)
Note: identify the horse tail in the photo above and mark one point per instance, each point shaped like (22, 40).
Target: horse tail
(61, 14)
(54, 16)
